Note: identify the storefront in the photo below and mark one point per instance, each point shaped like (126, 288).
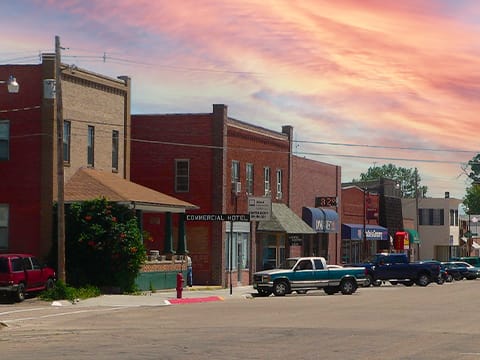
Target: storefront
(324, 223)
(283, 236)
(353, 246)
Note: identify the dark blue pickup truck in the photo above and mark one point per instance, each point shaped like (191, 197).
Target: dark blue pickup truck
(397, 269)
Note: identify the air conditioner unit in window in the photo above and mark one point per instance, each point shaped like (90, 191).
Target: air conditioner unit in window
(236, 187)
(279, 195)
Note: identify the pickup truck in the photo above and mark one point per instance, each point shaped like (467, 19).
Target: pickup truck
(397, 269)
(308, 273)
(23, 273)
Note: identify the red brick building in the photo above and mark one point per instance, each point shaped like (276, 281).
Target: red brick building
(218, 163)
(96, 135)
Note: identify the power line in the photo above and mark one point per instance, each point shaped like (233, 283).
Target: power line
(384, 146)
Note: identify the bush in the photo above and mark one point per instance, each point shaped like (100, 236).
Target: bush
(63, 292)
(103, 245)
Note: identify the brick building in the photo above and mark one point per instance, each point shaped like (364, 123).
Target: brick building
(96, 135)
(217, 163)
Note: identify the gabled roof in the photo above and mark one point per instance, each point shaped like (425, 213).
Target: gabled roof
(89, 184)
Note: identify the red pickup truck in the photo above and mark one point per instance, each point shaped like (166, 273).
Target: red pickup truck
(23, 273)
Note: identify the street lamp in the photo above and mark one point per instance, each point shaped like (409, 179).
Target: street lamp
(12, 84)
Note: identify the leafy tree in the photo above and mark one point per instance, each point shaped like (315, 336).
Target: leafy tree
(471, 201)
(408, 178)
(103, 245)
(472, 169)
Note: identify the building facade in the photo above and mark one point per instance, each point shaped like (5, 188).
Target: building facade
(219, 163)
(438, 224)
(96, 113)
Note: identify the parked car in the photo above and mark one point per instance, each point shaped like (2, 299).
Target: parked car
(23, 273)
(458, 270)
(397, 268)
(308, 273)
(472, 260)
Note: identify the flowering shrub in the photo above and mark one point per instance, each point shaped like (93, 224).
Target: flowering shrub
(103, 245)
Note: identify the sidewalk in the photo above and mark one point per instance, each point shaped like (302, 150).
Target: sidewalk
(193, 294)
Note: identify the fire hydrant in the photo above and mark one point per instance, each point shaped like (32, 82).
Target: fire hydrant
(179, 285)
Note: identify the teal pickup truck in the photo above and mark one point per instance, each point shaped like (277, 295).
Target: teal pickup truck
(308, 273)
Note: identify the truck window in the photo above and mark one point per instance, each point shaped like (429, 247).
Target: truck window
(304, 265)
(17, 264)
(318, 264)
(3, 265)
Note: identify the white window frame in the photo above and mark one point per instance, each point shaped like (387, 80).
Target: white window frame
(249, 178)
(279, 183)
(266, 179)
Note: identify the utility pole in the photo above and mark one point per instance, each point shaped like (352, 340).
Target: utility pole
(417, 218)
(60, 177)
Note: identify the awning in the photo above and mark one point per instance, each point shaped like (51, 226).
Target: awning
(284, 220)
(321, 220)
(88, 184)
(475, 245)
(413, 236)
(372, 232)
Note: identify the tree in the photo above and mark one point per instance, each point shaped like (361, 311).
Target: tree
(471, 201)
(408, 179)
(104, 245)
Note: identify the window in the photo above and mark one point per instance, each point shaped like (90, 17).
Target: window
(182, 175)
(249, 179)
(434, 217)
(66, 141)
(3, 226)
(91, 146)
(115, 139)
(266, 177)
(235, 175)
(4, 140)
(453, 217)
(279, 184)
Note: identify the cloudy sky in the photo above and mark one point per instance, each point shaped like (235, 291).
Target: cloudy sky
(363, 83)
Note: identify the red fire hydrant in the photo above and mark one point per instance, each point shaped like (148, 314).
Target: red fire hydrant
(179, 285)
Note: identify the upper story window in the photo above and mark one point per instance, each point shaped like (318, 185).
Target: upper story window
(249, 179)
(91, 146)
(67, 128)
(266, 179)
(431, 217)
(4, 226)
(4, 140)
(235, 175)
(453, 217)
(182, 175)
(279, 184)
(115, 144)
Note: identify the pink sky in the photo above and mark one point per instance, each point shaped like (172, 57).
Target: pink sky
(372, 72)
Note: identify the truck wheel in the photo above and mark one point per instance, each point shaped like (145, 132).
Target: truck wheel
(20, 293)
(377, 283)
(348, 286)
(280, 288)
(264, 292)
(449, 278)
(50, 284)
(368, 281)
(423, 280)
(330, 290)
(408, 283)
(393, 282)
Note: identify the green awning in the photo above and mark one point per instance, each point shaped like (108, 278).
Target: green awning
(413, 236)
